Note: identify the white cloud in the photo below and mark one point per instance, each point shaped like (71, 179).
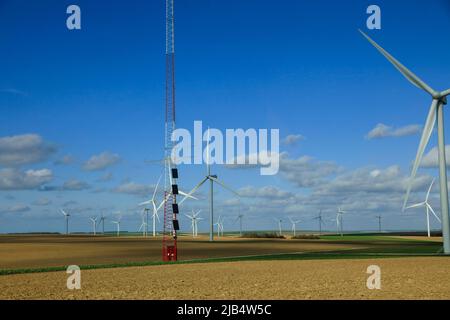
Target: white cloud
(18, 208)
(69, 185)
(383, 131)
(306, 171)
(101, 161)
(24, 149)
(430, 159)
(292, 139)
(267, 192)
(75, 185)
(134, 189)
(13, 179)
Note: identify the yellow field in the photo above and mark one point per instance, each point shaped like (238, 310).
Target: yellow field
(401, 278)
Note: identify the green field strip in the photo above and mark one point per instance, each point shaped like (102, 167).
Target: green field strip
(368, 253)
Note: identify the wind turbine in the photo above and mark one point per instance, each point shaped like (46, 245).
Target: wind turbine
(339, 221)
(279, 221)
(152, 201)
(379, 222)
(294, 223)
(66, 216)
(94, 224)
(435, 114)
(219, 225)
(118, 225)
(240, 217)
(212, 179)
(194, 221)
(144, 224)
(320, 219)
(428, 208)
(102, 220)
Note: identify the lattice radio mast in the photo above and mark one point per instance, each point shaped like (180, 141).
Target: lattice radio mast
(171, 226)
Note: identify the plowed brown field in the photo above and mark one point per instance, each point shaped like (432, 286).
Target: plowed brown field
(401, 278)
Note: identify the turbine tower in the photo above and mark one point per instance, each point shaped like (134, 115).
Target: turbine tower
(435, 114)
(239, 218)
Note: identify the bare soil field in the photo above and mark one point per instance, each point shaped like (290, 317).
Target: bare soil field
(401, 278)
(36, 251)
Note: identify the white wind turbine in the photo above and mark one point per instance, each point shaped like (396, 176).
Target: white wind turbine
(219, 225)
(320, 220)
(94, 224)
(339, 221)
(428, 208)
(279, 221)
(102, 220)
(152, 201)
(435, 114)
(212, 179)
(194, 221)
(294, 224)
(66, 217)
(144, 224)
(240, 217)
(118, 224)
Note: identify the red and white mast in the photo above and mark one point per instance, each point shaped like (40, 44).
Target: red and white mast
(170, 227)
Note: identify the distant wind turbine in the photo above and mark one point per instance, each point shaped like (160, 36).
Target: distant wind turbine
(94, 224)
(279, 221)
(66, 216)
(102, 220)
(320, 220)
(294, 223)
(428, 208)
(194, 221)
(339, 221)
(156, 208)
(118, 224)
(239, 218)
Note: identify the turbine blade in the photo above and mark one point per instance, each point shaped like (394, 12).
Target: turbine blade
(145, 203)
(426, 134)
(410, 76)
(224, 185)
(156, 187)
(445, 93)
(416, 205)
(187, 195)
(434, 213)
(193, 190)
(429, 190)
(208, 167)
(162, 203)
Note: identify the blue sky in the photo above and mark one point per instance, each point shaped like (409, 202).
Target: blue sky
(299, 66)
